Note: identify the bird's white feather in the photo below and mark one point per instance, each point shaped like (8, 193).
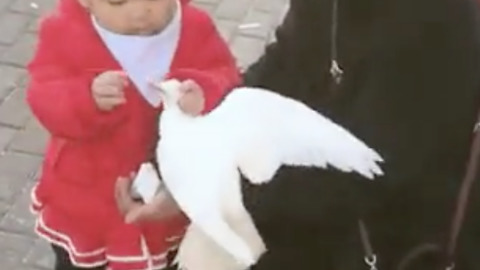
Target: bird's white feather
(254, 131)
(269, 130)
(197, 187)
(146, 183)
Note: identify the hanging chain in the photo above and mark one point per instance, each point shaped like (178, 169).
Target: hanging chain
(335, 69)
(370, 257)
(371, 261)
(450, 267)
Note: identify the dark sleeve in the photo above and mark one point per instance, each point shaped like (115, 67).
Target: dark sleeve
(416, 105)
(307, 198)
(285, 68)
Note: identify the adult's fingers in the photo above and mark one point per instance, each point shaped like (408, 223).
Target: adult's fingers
(124, 200)
(140, 213)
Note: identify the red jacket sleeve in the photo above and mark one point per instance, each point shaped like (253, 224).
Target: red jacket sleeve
(212, 65)
(60, 97)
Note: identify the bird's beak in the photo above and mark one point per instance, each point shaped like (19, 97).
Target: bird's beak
(157, 85)
(165, 87)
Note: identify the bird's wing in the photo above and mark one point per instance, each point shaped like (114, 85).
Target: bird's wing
(271, 130)
(196, 179)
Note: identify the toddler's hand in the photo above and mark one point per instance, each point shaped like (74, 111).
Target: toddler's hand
(108, 90)
(192, 101)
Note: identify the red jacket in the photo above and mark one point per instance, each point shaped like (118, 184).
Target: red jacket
(89, 149)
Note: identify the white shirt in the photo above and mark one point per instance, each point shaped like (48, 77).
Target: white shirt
(144, 57)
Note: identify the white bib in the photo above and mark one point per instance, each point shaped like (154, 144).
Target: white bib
(144, 57)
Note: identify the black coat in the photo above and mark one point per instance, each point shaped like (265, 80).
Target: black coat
(411, 90)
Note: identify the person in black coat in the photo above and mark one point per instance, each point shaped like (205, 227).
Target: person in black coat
(408, 84)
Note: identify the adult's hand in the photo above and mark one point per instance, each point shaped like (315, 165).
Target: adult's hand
(162, 206)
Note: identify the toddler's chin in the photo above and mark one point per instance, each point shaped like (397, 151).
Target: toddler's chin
(141, 32)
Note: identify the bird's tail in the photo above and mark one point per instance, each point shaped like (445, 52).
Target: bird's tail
(199, 252)
(223, 235)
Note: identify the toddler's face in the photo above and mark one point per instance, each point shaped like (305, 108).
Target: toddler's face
(132, 17)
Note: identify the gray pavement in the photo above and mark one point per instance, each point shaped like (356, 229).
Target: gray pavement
(247, 25)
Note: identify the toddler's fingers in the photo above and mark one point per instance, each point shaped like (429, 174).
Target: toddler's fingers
(123, 79)
(118, 78)
(112, 101)
(109, 91)
(187, 86)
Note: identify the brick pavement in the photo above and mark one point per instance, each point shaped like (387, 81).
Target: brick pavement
(246, 24)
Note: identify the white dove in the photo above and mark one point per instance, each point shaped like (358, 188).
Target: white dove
(254, 132)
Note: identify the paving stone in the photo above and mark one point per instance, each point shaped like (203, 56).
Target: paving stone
(31, 140)
(36, 174)
(233, 9)
(23, 81)
(20, 52)
(3, 49)
(10, 79)
(11, 187)
(30, 267)
(4, 4)
(226, 28)
(32, 7)
(12, 26)
(9, 266)
(4, 208)
(208, 7)
(215, 2)
(15, 171)
(14, 111)
(19, 219)
(10, 161)
(40, 255)
(6, 136)
(13, 248)
(275, 7)
(261, 24)
(33, 25)
(247, 49)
